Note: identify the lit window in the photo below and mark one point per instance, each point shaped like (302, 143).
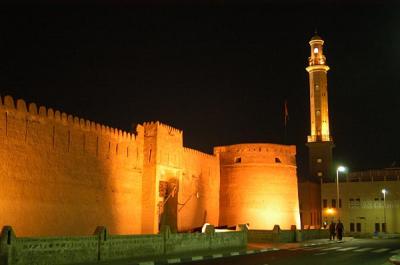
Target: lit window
(315, 50)
(319, 174)
(319, 160)
(318, 112)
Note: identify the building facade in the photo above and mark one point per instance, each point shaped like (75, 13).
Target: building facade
(63, 175)
(362, 206)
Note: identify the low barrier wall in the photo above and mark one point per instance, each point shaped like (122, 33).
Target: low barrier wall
(286, 236)
(102, 246)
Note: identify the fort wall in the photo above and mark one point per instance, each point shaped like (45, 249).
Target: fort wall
(199, 190)
(258, 185)
(194, 174)
(67, 175)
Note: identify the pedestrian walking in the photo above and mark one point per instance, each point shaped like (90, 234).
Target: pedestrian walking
(339, 230)
(332, 231)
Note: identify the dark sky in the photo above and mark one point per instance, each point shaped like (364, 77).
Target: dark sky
(220, 73)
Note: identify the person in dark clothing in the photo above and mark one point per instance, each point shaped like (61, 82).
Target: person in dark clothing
(332, 231)
(339, 230)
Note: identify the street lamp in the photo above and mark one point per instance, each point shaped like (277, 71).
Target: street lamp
(384, 191)
(339, 169)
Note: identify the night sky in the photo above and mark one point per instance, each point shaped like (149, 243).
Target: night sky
(220, 73)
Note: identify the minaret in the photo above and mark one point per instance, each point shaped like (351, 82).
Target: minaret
(319, 142)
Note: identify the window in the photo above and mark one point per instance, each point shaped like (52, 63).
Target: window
(325, 203)
(277, 160)
(354, 203)
(238, 160)
(358, 227)
(319, 160)
(384, 227)
(377, 227)
(315, 50)
(318, 112)
(340, 203)
(320, 174)
(333, 203)
(351, 227)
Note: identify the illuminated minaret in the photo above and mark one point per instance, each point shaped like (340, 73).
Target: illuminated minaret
(320, 142)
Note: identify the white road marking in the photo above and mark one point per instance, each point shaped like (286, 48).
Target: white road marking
(395, 251)
(346, 249)
(197, 258)
(217, 256)
(362, 249)
(321, 253)
(333, 248)
(234, 253)
(174, 260)
(380, 250)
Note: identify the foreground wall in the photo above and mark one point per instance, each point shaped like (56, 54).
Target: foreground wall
(258, 185)
(61, 175)
(102, 246)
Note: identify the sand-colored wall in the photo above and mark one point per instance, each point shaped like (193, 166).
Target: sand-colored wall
(163, 162)
(199, 190)
(61, 175)
(255, 188)
(196, 174)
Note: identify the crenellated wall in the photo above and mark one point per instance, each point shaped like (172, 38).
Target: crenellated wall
(258, 185)
(63, 175)
(66, 175)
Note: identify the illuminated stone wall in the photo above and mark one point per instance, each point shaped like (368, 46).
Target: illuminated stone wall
(199, 190)
(195, 174)
(61, 175)
(258, 185)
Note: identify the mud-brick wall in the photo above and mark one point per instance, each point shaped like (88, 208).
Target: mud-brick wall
(61, 175)
(258, 185)
(199, 190)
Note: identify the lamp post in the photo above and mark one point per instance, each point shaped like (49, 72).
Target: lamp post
(384, 191)
(339, 169)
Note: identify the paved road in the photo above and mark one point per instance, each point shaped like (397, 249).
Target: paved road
(358, 251)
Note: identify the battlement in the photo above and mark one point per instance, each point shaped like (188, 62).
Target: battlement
(257, 147)
(198, 153)
(163, 126)
(7, 104)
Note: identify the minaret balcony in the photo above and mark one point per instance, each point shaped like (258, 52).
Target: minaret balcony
(319, 138)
